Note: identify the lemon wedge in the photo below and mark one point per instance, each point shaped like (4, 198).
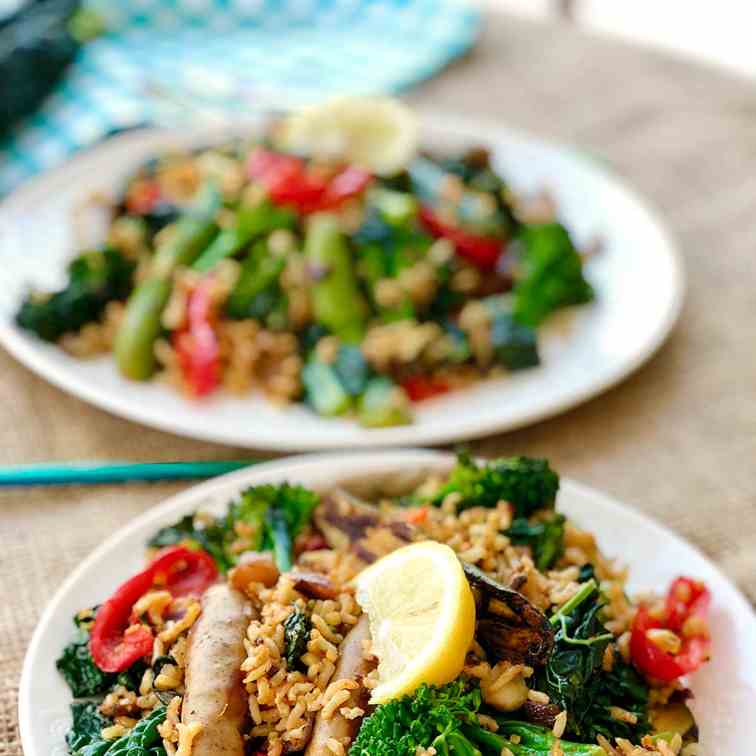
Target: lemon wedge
(376, 133)
(422, 617)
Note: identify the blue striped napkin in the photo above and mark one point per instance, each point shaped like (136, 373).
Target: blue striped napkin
(233, 56)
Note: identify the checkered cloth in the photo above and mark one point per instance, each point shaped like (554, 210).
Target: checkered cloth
(163, 59)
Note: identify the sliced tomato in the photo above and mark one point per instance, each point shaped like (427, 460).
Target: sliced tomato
(289, 182)
(481, 251)
(419, 387)
(197, 347)
(686, 599)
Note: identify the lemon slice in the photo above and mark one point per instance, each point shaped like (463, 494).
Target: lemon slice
(422, 617)
(379, 134)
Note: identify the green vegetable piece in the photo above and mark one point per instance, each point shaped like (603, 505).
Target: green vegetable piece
(336, 299)
(211, 537)
(351, 369)
(94, 279)
(550, 274)
(82, 675)
(574, 677)
(140, 328)
(527, 483)
(86, 727)
(256, 291)
(250, 223)
(383, 404)
(538, 741)
(545, 538)
(193, 232)
(398, 208)
(515, 345)
(324, 392)
(297, 628)
(137, 334)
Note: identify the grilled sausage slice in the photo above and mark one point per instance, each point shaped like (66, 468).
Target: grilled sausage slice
(215, 696)
(351, 664)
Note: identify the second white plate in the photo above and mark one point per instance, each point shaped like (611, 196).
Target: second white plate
(638, 281)
(723, 689)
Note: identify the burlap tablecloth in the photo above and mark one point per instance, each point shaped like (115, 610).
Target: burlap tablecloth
(678, 439)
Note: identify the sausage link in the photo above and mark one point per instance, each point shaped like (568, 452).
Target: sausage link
(215, 696)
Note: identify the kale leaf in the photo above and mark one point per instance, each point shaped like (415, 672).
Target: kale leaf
(297, 628)
(574, 677)
(527, 483)
(143, 740)
(545, 538)
(86, 727)
(94, 279)
(211, 536)
(82, 675)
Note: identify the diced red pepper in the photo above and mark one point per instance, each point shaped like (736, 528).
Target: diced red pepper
(416, 515)
(289, 182)
(116, 640)
(685, 614)
(197, 347)
(419, 387)
(142, 196)
(481, 251)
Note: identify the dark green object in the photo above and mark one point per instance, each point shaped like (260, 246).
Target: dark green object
(94, 279)
(210, 537)
(36, 47)
(75, 664)
(545, 538)
(527, 483)
(324, 392)
(539, 741)
(549, 274)
(257, 291)
(297, 628)
(515, 345)
(86, 727)
(575, 680)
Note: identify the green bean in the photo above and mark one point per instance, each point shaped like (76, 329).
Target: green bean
(140, 328)
(337, 302)
(251, 222)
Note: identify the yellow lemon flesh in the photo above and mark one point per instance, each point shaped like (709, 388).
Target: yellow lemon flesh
(376, 133)
(422, 617)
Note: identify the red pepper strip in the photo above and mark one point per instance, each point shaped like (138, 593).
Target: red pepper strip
(142, 196)
(288, 182)
(116, 641)
(481, 251)
(695, 643)
(184, 572)
(114, 644)
(419, 387)
(197, 347)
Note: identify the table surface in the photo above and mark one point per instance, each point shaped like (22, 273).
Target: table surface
(678, 439)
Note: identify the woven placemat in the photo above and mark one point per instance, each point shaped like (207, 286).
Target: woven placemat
(678, 439)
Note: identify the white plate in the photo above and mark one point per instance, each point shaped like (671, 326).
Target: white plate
(638, 280)
(724, 689)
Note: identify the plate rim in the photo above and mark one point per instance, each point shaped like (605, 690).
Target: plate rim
(351, 464)
(28, 353)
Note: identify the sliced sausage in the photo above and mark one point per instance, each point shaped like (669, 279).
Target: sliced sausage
(352, 664)
(215, 696)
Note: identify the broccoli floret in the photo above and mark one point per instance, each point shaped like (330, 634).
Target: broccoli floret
(550, 274)
(430, 717)
(94, 279)
(527, 483)
(446, 719)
